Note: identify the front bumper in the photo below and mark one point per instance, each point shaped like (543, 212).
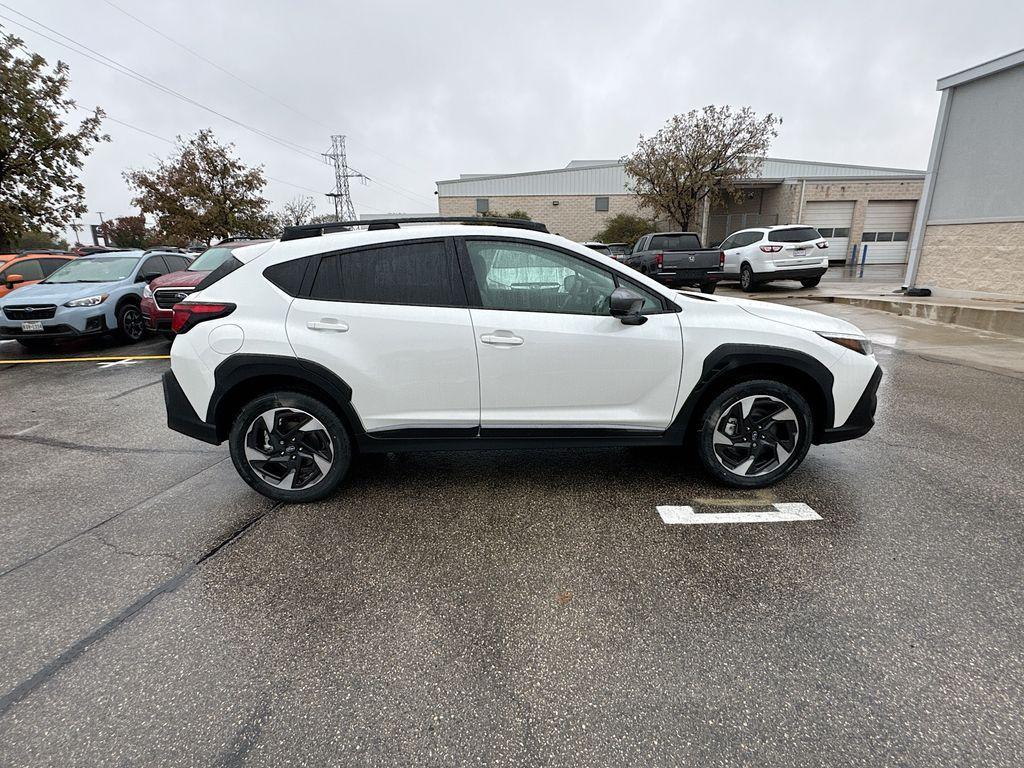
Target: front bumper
(59, 327)
(861, 419)
(182, 417)
(156, 319)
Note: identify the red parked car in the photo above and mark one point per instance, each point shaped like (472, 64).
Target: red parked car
(167, 290)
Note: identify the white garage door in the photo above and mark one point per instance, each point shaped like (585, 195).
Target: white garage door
(833, 220)
(887, 226)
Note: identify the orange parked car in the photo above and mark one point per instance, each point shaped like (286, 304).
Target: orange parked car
(28, 268)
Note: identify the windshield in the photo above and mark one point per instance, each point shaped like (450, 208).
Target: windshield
(210, 259)
(95, 269)
(794, 235)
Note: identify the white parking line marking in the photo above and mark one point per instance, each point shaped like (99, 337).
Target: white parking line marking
(125, 361)
(783, 513)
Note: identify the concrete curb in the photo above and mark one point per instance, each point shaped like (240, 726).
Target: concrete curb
(1008, 321)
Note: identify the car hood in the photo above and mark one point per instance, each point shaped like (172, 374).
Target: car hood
(792, 316)
(183, 279)
(57, 293)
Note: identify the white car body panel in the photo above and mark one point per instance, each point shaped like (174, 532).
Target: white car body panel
(577, 370)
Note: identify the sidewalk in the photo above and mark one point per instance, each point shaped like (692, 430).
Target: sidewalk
(1001, 315)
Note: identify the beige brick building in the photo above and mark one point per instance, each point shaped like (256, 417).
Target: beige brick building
(851, 205)
(969, 232)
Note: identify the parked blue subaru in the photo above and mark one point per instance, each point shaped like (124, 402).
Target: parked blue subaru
(91, 295)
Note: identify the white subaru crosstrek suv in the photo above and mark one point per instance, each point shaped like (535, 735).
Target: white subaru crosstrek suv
(763, 254)
(334, 340)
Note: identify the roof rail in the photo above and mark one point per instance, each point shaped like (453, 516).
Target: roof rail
(316, 230)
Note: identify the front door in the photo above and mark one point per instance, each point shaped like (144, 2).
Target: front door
(391, 321)
(550, 353)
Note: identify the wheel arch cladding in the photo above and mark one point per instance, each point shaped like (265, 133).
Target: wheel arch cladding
(733, 363)
(241, 378)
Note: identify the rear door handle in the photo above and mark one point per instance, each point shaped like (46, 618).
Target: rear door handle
(327, 324)
(499, 340)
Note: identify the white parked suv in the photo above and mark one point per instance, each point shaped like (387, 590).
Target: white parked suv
(763, 254)
(306, 350)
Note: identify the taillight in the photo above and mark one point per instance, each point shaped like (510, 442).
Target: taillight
(771, 248)
(659, 259)
(188, 315)
(721, 259)
(822, 244)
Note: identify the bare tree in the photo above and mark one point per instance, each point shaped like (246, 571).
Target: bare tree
(298, 210)
(696, 157)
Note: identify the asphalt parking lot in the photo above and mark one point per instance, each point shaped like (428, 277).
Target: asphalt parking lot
(514, 608)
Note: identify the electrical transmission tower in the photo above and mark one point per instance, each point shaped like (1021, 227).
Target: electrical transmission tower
(343, 208)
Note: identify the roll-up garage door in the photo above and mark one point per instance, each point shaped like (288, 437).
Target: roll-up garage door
(832, 219)
(887, 226)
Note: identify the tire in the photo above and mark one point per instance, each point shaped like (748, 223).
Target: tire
(765, 446)
(131, 325)
(747, 283)
(810, 282)
(708, 287)
(317, 464)
(169, 335)
(36, 345)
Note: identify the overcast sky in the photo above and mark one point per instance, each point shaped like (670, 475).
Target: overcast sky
(426, 91)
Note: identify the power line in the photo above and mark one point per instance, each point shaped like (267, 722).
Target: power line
(104, 60)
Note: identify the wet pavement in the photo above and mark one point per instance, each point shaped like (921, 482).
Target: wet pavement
(514, 608)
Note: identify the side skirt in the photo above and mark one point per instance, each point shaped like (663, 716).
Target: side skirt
(513, 439)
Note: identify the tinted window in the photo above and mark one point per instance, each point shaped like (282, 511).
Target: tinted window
(824, 232)
(748, 238)
(530, 278)
(288, 274)
(600, 203)
(793, 235)
(729, 242)
(684, 242)
(226, 267)
(639, 245)
(30, 269)
(154, 265)
(52, 265)
(421, 273)
(176, 263)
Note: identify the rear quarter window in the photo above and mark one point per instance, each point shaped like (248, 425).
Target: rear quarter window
(226, 268)
(288, 275)
(794, 235)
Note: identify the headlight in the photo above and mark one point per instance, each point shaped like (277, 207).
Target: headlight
(856, 343)
(147, 292)
(88, 301)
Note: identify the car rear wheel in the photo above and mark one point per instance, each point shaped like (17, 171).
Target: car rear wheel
(810, 282)
(708, 287)
(290, 447)
(755, 433)
(131, 325)
(747, 278)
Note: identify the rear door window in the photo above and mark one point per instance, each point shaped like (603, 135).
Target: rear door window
(420, 273)
(154, 265)
(793, 235)
(684, 242)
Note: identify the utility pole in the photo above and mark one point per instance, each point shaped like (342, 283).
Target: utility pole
(343, 208)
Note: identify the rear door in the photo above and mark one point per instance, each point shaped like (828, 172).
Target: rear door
(551, 356)
(392, 322)
(735, 247)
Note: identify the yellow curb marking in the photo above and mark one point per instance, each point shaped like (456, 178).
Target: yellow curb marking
(83, 359)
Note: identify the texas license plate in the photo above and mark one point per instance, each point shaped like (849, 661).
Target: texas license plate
(32, 325)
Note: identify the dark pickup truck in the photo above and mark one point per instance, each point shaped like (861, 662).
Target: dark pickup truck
(675, 259)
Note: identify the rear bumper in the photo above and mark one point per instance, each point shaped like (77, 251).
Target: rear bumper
(862, 418)
(790, 274)
(181, 416)
(676, 277)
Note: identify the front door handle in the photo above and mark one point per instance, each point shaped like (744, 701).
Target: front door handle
(504, 339)
(327, 324)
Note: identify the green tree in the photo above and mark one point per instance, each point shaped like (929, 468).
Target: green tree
(696, 157)
(128, 232)
(203, 192)
(624, 228)
(40, 154)
(34, 240)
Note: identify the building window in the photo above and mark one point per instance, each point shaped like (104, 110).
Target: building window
(824, 231)
(483, 205)
(883, 237)
(868, 237)
(841, 232)
(600, 203)
(900, 237)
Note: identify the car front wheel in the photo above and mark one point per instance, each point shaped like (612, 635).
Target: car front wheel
(290, 447)
(755, 433)
(131, 325)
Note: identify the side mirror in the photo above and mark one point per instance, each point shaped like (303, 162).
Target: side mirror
(626, 305)
(13, 280)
